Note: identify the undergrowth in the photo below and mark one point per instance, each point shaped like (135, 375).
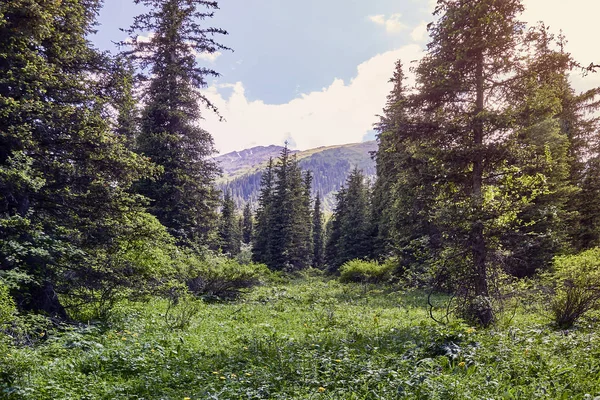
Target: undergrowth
(311, 338)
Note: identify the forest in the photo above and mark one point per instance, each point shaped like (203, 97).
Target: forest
(468, 268)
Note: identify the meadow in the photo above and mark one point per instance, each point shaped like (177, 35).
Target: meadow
(309, 337)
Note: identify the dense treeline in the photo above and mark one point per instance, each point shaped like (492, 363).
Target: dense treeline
(95, 192)
(483, 165)
(286, 231)
(488, 166)
(330, 167)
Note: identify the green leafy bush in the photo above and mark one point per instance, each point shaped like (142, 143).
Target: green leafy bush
(7, 306)
(220, 278)
(575, 283)
(365, 271)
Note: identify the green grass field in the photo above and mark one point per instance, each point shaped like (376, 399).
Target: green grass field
(311, 338)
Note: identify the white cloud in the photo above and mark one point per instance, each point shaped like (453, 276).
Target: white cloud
(419, 34)
(392, 24)
(340, 113)
(210, 57)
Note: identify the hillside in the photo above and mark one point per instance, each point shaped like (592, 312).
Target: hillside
(330, 166)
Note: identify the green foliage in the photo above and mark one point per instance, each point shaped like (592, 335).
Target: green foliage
(366, 271)
(229, 228)
(247, 224)
(218, 278)
(351, 231)
(65, 174)
(308, 339)
(283, 235)
(183, 196)
(7, 306)
(575, 280)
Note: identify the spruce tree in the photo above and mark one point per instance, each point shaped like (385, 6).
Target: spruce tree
(283, 221)
(64, 175)
(318, 235)
(263, 232)
(229, 233)
(183, 196)
(351, 227)
(247, 224)
(481, 163)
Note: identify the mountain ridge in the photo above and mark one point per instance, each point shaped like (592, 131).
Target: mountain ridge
(330, 166)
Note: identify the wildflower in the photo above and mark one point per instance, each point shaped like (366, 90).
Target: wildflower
(321, 389)
(526, 351)
(248, 374)
(222, 378)
(233, 375)
(123, 338)
(215, 372)
(338, 361)
(461, 364)
(187, 398)
(470, 330)
(245, 347)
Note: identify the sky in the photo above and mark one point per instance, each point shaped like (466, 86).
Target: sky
(315, 72)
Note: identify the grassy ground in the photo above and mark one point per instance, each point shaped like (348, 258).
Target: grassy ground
(308, 339)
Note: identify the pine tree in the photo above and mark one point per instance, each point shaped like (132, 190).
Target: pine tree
(318, 235)
(350, 234)
(247, 224)
(183, 196)
(481, 164)
(263, 232)
(64, 175)
(283, 221)
(229, 233)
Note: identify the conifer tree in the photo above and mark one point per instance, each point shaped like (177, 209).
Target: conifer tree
(183, 196)
(350, 235)
(263, 232)
(318, 235)
(64, 175)
(247, 224)
(283, 222)
(229, 233)
(480, 150)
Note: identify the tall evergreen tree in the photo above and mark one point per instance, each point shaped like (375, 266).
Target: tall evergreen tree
(64, 175)
(229, 233)
(247, 224)
(481, 164)
(318, 258)
(263, 232)
(183, 196)
(350, 237)
(283, 221)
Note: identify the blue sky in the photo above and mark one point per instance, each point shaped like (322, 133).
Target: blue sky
(316, 71)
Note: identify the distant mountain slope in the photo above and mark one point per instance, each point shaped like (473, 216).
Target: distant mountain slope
(236, 161)
(330, 167)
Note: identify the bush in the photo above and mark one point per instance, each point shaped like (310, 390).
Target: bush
(7, 306)
(365, 271)
(220, 278)
(575, 284)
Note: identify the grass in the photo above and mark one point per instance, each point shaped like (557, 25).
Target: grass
(311, 338)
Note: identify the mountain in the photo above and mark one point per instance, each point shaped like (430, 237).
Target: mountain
(330, 166)
(237, 161)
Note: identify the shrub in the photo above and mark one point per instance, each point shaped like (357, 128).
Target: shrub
(575, 284)
(365, 271)
(220, 278)
(7, 306)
